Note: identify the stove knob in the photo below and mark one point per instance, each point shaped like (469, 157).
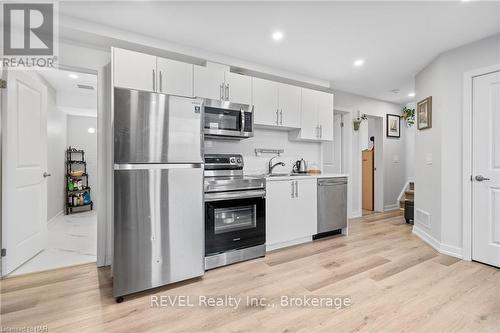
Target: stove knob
(231, 160)
(239, 160)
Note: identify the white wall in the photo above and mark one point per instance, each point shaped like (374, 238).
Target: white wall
(439, 185)
(393, 150)
(410, 146)
(79, 138)
(270, 139)
(56, 146)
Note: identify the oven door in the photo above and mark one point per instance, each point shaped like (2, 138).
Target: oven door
(234, 223)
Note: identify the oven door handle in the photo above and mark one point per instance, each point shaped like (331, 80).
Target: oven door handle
(218, 196)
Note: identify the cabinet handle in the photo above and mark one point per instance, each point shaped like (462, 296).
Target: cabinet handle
(221, 87)
(277, 116)
(154, 80)
(296, 189)
(293, 190)
(281, 115)
(227, 92)
(317, 131)
(321, 131)
(161, 83)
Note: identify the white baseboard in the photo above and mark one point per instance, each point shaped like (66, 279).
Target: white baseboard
(438, 246)
(271, 247)
(55, 216)
(355, 215)
(391, 207)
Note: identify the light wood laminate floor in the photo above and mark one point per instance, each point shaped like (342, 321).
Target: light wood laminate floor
(395, 282)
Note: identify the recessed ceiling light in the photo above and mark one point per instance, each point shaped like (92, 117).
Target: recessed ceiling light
(277, 35)
(73, 76)
(91, 130)
(359, 62)
(412, 94)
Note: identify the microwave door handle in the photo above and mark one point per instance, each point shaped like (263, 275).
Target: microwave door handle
(242, 112)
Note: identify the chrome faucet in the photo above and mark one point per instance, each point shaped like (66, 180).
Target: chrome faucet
(272, 166)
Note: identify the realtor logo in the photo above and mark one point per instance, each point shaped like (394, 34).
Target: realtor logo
(29, 35)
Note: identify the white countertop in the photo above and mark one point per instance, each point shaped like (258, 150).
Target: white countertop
(308, 176)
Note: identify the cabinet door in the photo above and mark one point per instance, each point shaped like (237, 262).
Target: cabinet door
(289, 104)
(265, 101)
(238, 88)
(208, 82)
(305, 208)
(278, 202)
(309, 115)
(134, 70)
(175, 77)
(325, 116)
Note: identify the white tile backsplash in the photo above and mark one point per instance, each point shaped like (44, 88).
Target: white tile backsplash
(270, 139)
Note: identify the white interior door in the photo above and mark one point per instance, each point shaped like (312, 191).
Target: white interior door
(24, 156)
(486, 169)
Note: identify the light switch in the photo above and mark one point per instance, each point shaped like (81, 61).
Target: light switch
(395, 159)
(428, 159)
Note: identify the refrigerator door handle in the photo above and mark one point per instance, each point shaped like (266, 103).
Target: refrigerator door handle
(157, 166)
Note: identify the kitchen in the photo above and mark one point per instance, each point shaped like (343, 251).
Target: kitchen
(171, 195)
(230, 185)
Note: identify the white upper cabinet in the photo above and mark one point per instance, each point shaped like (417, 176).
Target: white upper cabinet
(316, 118)
(134, 70)
(325, 116)
(265, 101)
(209, 82)
(276, 104)
(238, 88)
(289, 105)
(215, 83)
(309, 115)
(175, 77)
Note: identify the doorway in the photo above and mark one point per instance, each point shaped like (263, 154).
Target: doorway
(50, 170)
(371, 145)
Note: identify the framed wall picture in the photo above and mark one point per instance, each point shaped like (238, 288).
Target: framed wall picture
(424, 113)
(393, 127)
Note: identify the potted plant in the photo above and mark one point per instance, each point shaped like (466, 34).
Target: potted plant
(408, 115)
(357, 121)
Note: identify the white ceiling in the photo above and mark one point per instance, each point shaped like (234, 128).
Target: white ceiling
(321, 39)
(69, 97)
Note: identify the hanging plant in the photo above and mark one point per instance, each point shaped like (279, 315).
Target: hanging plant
(357, 121)
(408, 115)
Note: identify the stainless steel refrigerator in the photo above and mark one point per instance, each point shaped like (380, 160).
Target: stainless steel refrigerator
(158, 190)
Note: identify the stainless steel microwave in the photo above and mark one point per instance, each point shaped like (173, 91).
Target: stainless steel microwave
(226, 120)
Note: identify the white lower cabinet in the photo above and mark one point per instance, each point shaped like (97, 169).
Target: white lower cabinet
(291, 212)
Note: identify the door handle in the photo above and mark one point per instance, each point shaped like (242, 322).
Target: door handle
(480, 178)
(154, 80)
(46, 174)
(161, 83)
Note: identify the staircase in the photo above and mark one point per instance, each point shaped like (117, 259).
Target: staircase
(409, 195)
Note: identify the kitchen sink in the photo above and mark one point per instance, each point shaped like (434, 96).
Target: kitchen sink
(286, 174)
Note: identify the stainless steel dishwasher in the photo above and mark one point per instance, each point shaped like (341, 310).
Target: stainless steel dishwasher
(332, 206)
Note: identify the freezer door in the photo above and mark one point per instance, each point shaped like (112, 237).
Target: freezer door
(158, 226)
(156, 128)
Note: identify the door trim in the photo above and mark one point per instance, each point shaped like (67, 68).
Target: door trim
(467, 157)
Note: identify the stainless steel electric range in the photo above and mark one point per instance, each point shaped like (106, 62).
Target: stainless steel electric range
(235, 211)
